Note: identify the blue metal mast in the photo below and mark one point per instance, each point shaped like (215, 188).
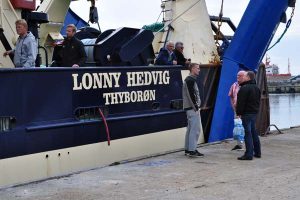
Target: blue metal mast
(249, 44)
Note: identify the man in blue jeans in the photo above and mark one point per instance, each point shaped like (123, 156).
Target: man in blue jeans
(248, 100)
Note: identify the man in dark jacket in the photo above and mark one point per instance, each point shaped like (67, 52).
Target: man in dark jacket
(73, 53)
(166, 55)
(191, 104)
(181, 60)
(248, 100)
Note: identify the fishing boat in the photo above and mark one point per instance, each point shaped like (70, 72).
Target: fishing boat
(56, 121)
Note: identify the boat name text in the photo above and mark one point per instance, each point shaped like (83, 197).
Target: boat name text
(89, 81)
(112, 80)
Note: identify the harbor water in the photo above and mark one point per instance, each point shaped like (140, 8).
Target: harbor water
(284, 110)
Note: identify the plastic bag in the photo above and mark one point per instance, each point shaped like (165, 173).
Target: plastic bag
(238, 130)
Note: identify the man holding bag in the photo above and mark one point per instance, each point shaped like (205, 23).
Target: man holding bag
(233, 98)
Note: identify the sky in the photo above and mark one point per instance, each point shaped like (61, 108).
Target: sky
(136, 13)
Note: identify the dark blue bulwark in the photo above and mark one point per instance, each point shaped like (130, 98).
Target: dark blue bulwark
(43, 103)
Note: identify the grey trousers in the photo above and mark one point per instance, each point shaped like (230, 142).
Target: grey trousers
(194, 128)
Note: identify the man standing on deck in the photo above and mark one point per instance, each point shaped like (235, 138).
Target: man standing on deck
(191, 104)
(181, 60)
(234, 89)
(73, 53)
(26, 47)
(248, 100)
(166, 55)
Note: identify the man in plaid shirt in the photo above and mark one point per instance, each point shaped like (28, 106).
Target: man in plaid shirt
(234, 89)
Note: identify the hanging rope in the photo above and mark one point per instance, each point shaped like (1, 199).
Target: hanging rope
(219, 25)
(285, 30)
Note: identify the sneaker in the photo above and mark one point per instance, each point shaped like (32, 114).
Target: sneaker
(186, 152)
(244, 158)
(237, 147)
(257, 156)
(195, 153)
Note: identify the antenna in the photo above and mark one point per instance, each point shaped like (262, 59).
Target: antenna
(267, 60)
(289, 66)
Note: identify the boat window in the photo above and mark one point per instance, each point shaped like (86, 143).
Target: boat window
(7, 123)
(90, 113)
(176, 104)
(155, 106)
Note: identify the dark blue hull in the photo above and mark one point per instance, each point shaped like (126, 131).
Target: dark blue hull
(48, 111)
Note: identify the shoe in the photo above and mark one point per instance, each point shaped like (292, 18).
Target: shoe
(257, 156)
(244, 158)
(186, 152)
(237, 147)
(195, 153)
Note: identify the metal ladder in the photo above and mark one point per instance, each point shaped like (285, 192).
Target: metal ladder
(170, 28)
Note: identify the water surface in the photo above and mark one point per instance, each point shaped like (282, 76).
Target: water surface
(285, 110)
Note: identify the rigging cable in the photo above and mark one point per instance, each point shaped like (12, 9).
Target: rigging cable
(158, 17)
(161, 12)
(285, 30)
(177, 17)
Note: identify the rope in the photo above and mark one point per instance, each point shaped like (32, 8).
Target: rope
(178, 17)
(285, 30)
(106, 126)
(159, 16)
(219, 24)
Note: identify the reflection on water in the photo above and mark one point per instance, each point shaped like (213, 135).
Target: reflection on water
(285, 110)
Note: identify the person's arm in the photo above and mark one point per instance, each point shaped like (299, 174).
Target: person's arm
(31, 47)
(82, 54)
(191, 93)
(241, 101)
(180, 58)
(230, 94)
(174, 59)
(162, 58)
(6, 53)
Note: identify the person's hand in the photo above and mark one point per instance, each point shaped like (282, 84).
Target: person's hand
(75, 65)
(6, 53)
(174, 62)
